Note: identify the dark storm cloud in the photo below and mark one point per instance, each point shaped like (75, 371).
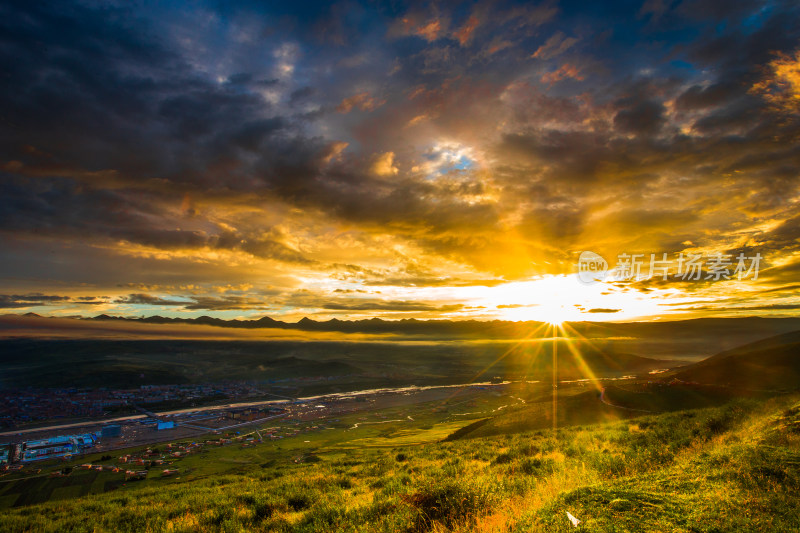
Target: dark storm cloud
(103, 95)
(141, 114)
(12, 301)
(644, 117)
(698, 97)
(243, 129)
(15, 301)
(62, 208)
(303, 299)
(196, 303)
(147, 299)
(784, 238)
(175, 124)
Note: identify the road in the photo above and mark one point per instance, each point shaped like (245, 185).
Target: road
(338, 395)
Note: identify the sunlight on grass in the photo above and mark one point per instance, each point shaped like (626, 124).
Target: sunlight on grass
(677, 471)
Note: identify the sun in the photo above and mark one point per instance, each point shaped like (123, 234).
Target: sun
(555, 299)
(555, 314)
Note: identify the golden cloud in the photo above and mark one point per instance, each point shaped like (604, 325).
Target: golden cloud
(781, 87)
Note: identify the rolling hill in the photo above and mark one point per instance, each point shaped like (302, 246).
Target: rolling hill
(772, 363)
(125, 363)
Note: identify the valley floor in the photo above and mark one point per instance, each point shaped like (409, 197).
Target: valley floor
(734, 467)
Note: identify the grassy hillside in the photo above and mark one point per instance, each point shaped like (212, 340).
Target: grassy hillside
(772, 363)
(734, 467)
(582, 403)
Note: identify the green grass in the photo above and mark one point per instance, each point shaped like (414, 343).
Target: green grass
(432, 421)
(734, 467)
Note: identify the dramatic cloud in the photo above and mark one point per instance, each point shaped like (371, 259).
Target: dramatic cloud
(782, 85)
(437, 154)
(146, 299)
(9, 301)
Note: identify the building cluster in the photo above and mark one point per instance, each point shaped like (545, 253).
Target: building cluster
(20, 406)
(131, 432)
(134, 466)
(63, 446)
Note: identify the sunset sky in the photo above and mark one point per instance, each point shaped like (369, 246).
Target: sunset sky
(396, 160)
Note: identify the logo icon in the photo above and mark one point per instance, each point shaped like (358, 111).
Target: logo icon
(591, 267)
